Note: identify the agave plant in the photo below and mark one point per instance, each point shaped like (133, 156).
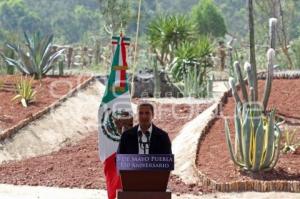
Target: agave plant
(37, 58)
(26, 94)
(257, 138)
(10, 54)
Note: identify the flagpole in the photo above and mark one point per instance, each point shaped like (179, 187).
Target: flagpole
(135, 48)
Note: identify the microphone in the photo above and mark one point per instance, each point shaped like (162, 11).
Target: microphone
(144, 145)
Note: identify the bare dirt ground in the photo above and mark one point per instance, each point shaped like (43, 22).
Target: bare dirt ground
(213, 155)
(65, 124)
(49, 90)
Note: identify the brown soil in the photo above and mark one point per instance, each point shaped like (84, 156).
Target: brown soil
(78, 165)
(213, 154)
(284, 97)
(49, 90)
(172, 117)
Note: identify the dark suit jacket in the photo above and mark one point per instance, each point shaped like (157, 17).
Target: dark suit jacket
(159, 142)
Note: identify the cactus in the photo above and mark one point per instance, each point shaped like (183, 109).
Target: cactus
(241, 80)
(97, 52)
(209, 89)
(156, 77)
(194, 85)
(69, 57)
(250, 77)
(257, 146)
(272, 32)
(61, 68)
(268, 84)
(256, 135)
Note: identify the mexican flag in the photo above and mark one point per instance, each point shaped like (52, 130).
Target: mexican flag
(115, 114)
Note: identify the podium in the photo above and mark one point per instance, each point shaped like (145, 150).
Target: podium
(144, 176)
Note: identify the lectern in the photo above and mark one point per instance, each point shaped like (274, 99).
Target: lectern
(144, 176)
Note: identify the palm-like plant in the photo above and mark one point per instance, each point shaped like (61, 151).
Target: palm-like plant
(190, 53)
(39, 57)
(185, 56)
(190, 66)
(166, 33)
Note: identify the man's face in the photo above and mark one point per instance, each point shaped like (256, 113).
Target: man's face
(145, 115)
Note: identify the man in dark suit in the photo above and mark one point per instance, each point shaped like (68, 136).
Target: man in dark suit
(145, 138)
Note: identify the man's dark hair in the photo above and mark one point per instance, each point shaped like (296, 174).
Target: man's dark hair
(146, 104)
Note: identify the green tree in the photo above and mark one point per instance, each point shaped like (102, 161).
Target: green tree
(208, 18)
(116, 13)
(70, 21)
(235, 15)
(16, 16)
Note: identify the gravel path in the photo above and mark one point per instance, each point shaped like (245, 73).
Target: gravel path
(28, 192)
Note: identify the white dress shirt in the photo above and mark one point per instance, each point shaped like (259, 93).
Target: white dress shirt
(145, 145)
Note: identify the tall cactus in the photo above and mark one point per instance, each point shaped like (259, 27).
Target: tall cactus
(250, 77)
(252, 45)
(61, 68)
(268, 84)
(272, 32)
(256, 136)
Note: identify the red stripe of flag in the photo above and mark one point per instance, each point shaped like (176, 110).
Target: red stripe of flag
(113, 181)
(122, 78)
(123, 51)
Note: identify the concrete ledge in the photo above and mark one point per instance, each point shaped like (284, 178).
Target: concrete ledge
(184, 146)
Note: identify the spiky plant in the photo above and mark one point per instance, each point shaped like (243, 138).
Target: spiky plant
(165, 33)
(257, 139)
(26, 93)
(291, 143)
(37, 58)
(194, 83)
(190, 67)
(11, 54)
(190, 52)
